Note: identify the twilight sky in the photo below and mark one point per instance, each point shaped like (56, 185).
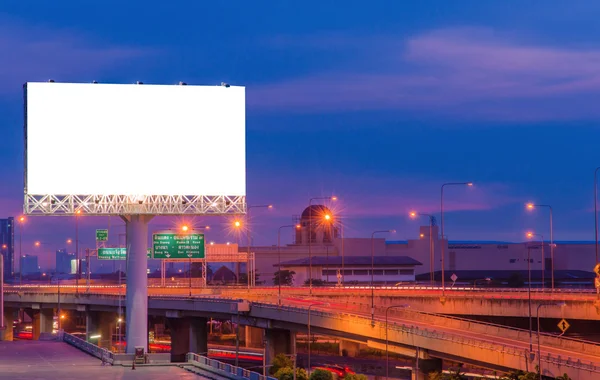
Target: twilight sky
(376, 102)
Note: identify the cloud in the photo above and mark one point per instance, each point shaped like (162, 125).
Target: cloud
(477, 70)
(31, 53)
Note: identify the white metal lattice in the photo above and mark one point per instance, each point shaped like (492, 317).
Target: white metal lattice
(127, 204)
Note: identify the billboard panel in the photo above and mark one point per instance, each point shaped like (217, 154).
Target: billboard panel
(126, 143)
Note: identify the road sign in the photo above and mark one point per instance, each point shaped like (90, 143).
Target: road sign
(454, 277)
(170, 245)
(563, 325)
(117, 253)
(101, 235)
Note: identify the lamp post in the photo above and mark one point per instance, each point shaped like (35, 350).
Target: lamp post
(413, 215)
(531, 235)
(561, 304)
(596, 209)
(309, 335)
(373, 269)
(310, 230)
(185, 229)
(279, 258)
(442, 225)
(21, 220)
(531, 206)
(249, 236)
(387, 356)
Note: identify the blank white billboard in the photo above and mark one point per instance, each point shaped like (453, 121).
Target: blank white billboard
(127, 139)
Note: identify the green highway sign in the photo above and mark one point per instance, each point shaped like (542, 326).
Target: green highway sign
(117, 253)
(101, 235)
(170, 245)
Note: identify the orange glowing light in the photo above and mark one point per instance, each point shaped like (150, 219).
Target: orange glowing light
(4, 246)
(184, 228)
(207, 228)
(421, 235)
(298, 226)
(62, 316)
(530, 206)
(334, 198)
(37, 243)
(21, 219)
(270, 206)
(327, 217)
(470, 184)
(237, 223)
(529, 234)
(78, 212)
(69, 241)
(412, 214)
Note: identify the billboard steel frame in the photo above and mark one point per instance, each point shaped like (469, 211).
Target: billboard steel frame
(134, 205)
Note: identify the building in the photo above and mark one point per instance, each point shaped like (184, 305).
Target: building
(318, 234)
(64, 262)
(354, 269)
(29, 265)
(7, 245)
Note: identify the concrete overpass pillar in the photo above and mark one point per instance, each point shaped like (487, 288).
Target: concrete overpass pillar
(187, 335)
(279, 342)
(9, 318)
(100, 323)
(348, 348)
(136, 304)
(41, 322)
(254, 337)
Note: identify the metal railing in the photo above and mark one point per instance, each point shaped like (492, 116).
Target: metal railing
(218, 367)
(101, 353)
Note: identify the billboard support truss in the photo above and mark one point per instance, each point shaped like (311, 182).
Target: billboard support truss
(127, 205)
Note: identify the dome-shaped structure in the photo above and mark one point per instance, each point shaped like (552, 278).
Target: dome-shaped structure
(317, 226)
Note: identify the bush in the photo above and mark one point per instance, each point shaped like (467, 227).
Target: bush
(280, 361)
(287, 373)
(315, 282)
(355, 376)
(320, 374)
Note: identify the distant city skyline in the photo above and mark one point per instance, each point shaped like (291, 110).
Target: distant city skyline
(379, 107)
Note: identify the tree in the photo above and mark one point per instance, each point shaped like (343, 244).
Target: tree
(197, 270)
(315, 282)
(355, 376)
(563, 377)
(287, 373)
(321, 374)
(280, 361)
(244, 278)
(286, 276)
(515, 281)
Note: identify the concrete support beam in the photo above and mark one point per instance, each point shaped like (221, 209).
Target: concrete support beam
(349, 348)
(100, 323)
(42, 322)
(9, 318)
(187, 335)
(254, 337)
(279, 342)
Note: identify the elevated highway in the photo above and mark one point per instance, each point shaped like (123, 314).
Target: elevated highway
(492, 346)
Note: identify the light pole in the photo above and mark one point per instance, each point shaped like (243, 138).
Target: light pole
(309, 335)
(529, 298)
(21, 220)
(310, 230)
(387, 355)
(413, 215)
(560, 304)
(442, 225)
(279, 258)
(596, 209)
(373, 270)
(531, 206)
(530, 235)
(249, 236)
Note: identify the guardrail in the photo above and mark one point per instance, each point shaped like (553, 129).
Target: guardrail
(221, 368)
(101, 353)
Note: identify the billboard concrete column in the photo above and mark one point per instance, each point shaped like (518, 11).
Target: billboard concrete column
(136, 306)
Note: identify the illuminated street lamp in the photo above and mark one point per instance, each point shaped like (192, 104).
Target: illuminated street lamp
(531, 235)
(414, 215)
(297, 226)
(442, 225)
(531, 206)
(310, 228)
(373, 270)
(249, 236)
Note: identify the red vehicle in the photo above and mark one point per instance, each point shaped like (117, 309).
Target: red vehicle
(337, 370)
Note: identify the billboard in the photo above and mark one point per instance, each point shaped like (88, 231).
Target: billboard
(126, 148)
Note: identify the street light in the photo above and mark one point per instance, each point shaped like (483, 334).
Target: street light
(185, 229)
(560, 304)
(414, 215)
(297, 226)
(373, 270)
(21, 221)
(310, 228)
(387, 355)
(531, 206)
(249, 236)
(309, 335)
(530, 235)
(442, 222)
